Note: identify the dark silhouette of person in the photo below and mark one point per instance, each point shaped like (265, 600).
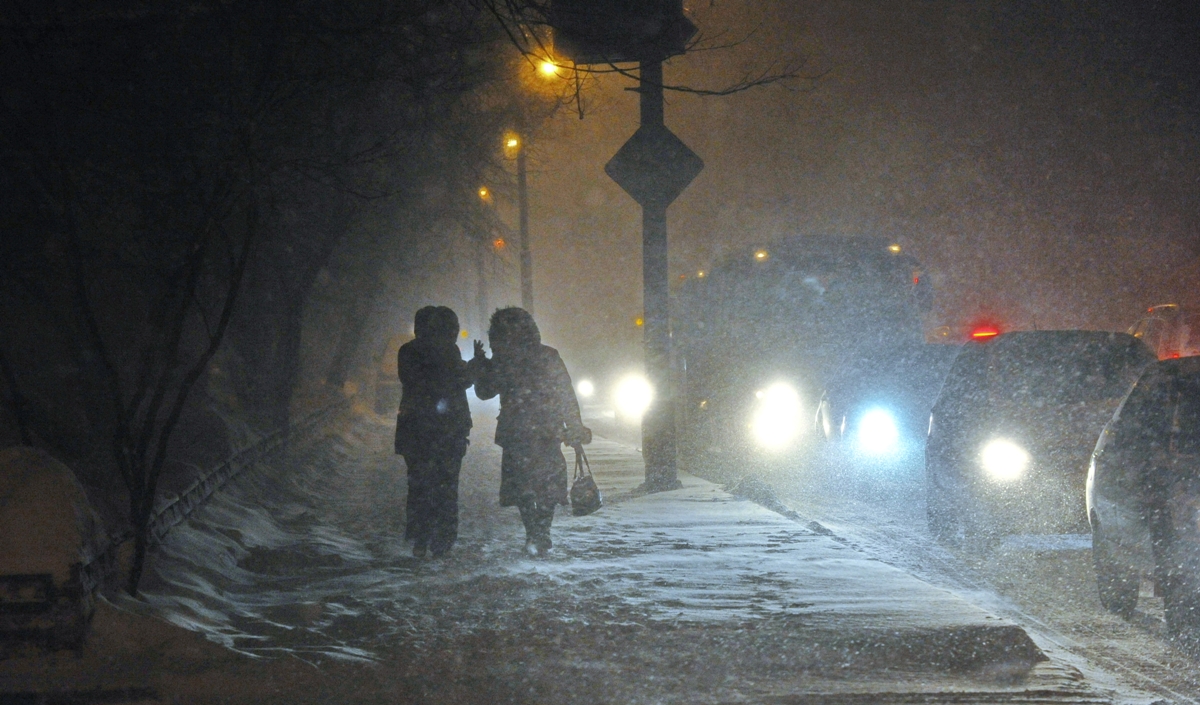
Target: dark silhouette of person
(432, 427)
(538, 413)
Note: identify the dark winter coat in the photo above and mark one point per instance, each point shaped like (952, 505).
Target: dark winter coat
(538, 412)
(537, 400)
(434, 416)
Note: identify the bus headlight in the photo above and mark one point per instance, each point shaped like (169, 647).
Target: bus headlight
(633, 396)
(778, 416)
(1003, 460)
(877, 432)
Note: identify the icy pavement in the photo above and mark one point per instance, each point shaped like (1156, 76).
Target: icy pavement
(1045, 583)
(686, 596)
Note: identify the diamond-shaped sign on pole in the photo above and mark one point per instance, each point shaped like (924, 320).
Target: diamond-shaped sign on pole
(654, 166)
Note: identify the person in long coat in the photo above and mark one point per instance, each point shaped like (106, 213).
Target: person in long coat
(538, 413)
(432, 427)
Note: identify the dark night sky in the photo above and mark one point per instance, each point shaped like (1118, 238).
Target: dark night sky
(1039, 158)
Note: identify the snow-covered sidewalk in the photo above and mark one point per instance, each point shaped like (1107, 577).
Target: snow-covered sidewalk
(693, 595)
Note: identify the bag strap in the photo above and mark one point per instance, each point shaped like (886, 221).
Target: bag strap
(581, 462)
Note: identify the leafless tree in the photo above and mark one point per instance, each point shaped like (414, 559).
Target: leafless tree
(177, 175)
(529, 26)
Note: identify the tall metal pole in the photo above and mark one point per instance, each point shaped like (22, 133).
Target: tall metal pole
(658, 425)
(523, 206)
(481, 297)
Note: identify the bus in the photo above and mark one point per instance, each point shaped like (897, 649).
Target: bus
(801, 340)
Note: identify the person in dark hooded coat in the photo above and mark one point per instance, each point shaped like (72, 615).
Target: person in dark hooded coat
(432, 427)
(538, 413)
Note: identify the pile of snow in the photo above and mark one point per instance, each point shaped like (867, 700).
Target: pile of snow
(46, 523)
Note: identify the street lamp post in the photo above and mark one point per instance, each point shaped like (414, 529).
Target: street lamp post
(515, 144)
(523, 230)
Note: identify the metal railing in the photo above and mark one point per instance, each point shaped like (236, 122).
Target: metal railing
(174, 512)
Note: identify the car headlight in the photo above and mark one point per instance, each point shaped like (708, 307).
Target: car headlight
(778, 416)
(585, 388)
(632, 396)
(1003, 460)
(877, 432)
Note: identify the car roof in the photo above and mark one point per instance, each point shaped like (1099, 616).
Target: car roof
(1058, 342)
(1181, 367)
(1045, 348)
(1022, 338)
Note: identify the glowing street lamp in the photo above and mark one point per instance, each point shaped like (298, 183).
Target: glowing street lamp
(515, 146)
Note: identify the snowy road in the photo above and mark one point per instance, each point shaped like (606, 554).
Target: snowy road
(1046, 584)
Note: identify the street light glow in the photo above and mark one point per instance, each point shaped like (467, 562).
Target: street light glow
(761, 255)
(548, 68)
(512, 142)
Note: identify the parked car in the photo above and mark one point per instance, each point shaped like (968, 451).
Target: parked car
(1012, 428)
(1170, 330)
(1143, 497)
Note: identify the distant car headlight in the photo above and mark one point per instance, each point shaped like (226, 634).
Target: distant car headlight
(778, 416)
(632, 396)
(877, 432)
(1003, 460)
(585, 388)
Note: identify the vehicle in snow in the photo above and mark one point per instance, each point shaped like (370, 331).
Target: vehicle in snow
(1170, 330)
(53, 554)
(1013, 426)
(1143, 497)
(770, 331)
(881, 416)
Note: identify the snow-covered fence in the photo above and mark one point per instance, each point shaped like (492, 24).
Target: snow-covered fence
(172, 512)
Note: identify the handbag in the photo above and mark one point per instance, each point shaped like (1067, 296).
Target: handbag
(585, 495)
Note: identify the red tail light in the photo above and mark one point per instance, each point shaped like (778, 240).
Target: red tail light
(985, 332)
